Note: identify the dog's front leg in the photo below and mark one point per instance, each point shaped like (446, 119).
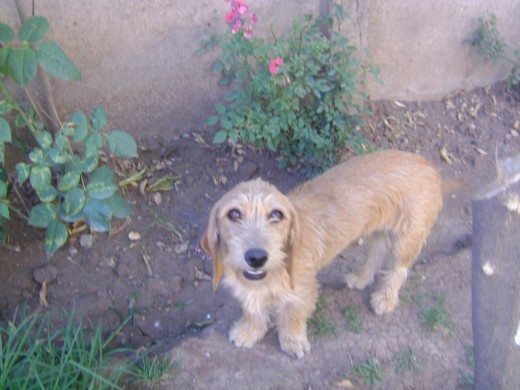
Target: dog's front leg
(250, 328)
(292, 321)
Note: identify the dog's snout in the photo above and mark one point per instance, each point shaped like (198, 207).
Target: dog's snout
(256, 257)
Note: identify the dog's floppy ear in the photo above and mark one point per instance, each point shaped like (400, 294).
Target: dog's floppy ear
(210, 244)
(294, 241)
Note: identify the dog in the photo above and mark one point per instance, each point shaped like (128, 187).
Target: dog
(269, 247)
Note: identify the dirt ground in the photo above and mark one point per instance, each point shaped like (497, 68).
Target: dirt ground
(165, 279)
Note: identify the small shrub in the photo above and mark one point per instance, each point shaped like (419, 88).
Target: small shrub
(493, 47)
(318, 325)
(436, 315)
(294, 93)
(369, 371)
(352, 317)
(405, 360)
(62, 168)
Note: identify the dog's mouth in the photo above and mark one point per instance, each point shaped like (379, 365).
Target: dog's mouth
(254, 275)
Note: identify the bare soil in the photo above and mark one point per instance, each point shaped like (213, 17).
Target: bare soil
(164, 279)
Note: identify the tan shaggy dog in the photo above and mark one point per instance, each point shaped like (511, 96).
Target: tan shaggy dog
(269, 246)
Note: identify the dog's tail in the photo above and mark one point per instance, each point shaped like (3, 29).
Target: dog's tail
(452, 186)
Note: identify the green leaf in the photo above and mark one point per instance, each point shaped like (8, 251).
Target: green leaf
(42, 214)
(5, 107)
(98, 215)
(55, 62)
(40, 177)
(22, 64)
(93, 144)
(101, 184)
(22, 169)
(121, 144)
(33, 29)
(4, 211)
(81, 131)
(212, 120)
(3, 189)
(88, 164)
(70, 180)
(98, 118)
(221, 109)
(4, 57)
(36, 156)
(6, 33)
(48, 194)
(44, 139)
(5, 131)
(55, 237)
(73, 203)
(58, 156)
(220, 137)
(119, 206)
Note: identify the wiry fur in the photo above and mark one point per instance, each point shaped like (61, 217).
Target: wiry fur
(392, 198)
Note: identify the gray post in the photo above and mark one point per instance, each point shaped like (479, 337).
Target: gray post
(496, 279)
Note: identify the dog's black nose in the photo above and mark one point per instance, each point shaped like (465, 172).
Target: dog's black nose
(256, 257)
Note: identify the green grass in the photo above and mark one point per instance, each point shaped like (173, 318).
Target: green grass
(436, 315)
(151, 371)
(318, 325)
(405, 360)
(351, 315)
(369, 371)
(35, 354)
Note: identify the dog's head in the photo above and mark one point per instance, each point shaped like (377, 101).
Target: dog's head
(251, 230)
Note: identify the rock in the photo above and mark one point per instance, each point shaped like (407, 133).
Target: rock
(47, 272)
(86, 241)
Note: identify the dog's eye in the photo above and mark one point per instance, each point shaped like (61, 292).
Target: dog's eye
(234, 215)
(276, 215)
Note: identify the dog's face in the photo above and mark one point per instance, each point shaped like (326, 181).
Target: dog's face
(250, 232)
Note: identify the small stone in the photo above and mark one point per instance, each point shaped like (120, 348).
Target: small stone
(47, 272)
(86, 241)
(134, 236)
(181, 248)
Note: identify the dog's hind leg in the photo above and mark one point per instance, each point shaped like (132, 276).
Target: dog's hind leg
(378, 247)
(406, 249)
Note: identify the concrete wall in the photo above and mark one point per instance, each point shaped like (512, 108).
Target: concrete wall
(137, 57)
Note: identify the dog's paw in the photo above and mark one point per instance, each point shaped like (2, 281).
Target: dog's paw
(383, 302)
(295, 346)
(356, 281)
(245, 335)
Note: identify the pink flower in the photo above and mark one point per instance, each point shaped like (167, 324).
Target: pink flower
(248, 32)
(253, 18)
(230, 16)
(273, 65)
(237, 24)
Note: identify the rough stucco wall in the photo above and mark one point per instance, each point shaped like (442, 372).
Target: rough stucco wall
(137, 58)
(418, 45)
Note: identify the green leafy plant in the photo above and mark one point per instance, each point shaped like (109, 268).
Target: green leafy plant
(436, 315)
(351, 315)
(493, 47)
(318, 325)
(369, 371)
(62, 168)
(405, 360)
(296, 93)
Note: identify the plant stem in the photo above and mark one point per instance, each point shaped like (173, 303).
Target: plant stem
(22, 113)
